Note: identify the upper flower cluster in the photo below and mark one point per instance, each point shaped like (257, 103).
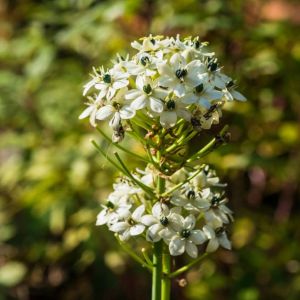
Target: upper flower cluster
(166, 80)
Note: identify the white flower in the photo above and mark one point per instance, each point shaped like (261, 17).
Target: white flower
(210, 117)
(231, 94)
(143, 65)
(218, 213)
(132, 226)
(216, 238)
(184, 237)
(114, 210)
(150, 44)
(146, 94)
(123, 190)
(206, 178)
(202, 95)
(177, 74)
(91, 110)
(117, 111)
(111, 81)
(211, 74)
(159, 221)
(172, 110)
(190, 199)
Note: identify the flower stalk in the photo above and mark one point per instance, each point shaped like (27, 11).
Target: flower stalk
(164, 97)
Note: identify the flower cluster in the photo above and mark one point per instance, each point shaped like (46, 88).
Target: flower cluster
(166, 80)
(191, 212)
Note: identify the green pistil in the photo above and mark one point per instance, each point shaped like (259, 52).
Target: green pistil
(190, 194)
(171, 105)
(220, 230)
(199, 88)
(145, 60)
(212, 66)
(230, 84)
(180, 73)
(110, 205)
(147, 89)
(185, 233)
(164, 221)
(215, 201)
(107, 78)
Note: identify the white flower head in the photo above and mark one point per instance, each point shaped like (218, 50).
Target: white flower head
(159, 221)
(147, 94)
(217, 237)
(131, 226)
(117, 111)
(114, 210)
(184, 238)
(177, 74)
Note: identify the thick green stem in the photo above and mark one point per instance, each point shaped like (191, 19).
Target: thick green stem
(166, 269)
(156, 270)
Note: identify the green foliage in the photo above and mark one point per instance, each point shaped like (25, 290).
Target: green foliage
(52, 180)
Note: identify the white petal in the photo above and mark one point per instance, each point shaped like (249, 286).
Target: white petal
(212, 245)
(213, 95)
(209, 232)
(137, 229)
(167, 234)
(159, 209)
(168, 118)
(105, 112)
(156, 105)
(191, 249)
(118, 227)
(88, 86)
(137, 214)
(133, 94)
(120, 84)
(102, 217)
(148, 220)
(139, 102)
(179, 90)
(125, 235)
(197, 237)
(177, 246)
(152, 234)
(126, 112)
(87, 112)
(238, 96)
(189, 222)
(115, 121)
(224, 242)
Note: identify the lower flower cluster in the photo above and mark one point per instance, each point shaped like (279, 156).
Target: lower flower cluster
(192, 211)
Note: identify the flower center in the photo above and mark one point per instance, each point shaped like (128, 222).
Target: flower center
(212, 66)
(199, 88)
(171, 105)
(215, 201)
(197, 44)
(164, 221)
(147, 89)
(145, 60)
(195, 122)
(131, 222)
(230, 84)
(185, 233)
(220, 230)
(180, 73)
(190, 194)
(110, 205)
(107, 78)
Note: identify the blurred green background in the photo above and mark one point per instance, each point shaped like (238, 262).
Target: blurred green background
(52, 181)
